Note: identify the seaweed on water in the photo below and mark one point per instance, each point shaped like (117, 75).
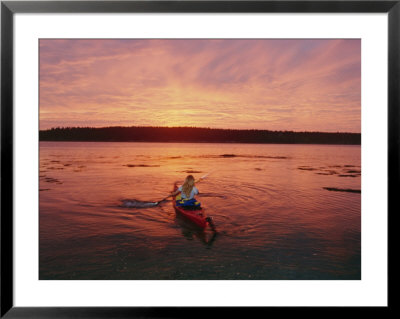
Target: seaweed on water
(342, 189)
(228, 155)
(174, 157)
(353, 171)
(141, 165)
(306, 168)
(277, 157)
(330, 172)
(327, 171)
(52, 180)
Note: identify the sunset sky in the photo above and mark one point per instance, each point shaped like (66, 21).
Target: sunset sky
(299, 85)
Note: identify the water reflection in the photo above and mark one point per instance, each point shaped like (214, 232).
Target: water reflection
(276, 211)
(191, 231)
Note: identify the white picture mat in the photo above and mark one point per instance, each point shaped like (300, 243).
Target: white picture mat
(370, 291)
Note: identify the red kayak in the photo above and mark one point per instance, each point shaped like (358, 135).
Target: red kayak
(196, 216)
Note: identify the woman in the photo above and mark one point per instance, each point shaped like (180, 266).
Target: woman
(187, 192)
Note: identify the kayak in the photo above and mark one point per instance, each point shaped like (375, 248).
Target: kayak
(196, 216)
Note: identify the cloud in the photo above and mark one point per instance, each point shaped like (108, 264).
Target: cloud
(220, 83)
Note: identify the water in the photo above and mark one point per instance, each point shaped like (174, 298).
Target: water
(279, 211)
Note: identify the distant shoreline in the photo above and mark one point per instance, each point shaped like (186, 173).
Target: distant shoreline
(172, 142)
(194, 135)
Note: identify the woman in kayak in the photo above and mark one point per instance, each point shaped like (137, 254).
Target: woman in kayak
(186, 197)
(187, 192)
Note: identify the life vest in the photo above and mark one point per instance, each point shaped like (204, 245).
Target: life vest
(187, 202)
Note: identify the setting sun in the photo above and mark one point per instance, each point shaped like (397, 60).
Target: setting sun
(238, 84)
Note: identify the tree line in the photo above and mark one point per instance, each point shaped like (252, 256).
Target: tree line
(194, 135)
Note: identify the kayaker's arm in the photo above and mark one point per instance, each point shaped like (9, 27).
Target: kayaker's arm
(175, 193)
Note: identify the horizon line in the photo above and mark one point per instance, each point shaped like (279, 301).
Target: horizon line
(192, 127)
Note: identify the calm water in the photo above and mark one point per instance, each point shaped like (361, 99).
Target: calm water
(275, 218)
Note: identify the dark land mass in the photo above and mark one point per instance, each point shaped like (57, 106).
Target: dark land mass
(194, 135)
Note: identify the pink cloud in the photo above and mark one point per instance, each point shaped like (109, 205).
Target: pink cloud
(263, 84)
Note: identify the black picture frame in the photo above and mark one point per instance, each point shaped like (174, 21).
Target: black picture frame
(9, 8)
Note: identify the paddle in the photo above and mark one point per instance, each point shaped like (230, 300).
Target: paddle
(133, 203)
